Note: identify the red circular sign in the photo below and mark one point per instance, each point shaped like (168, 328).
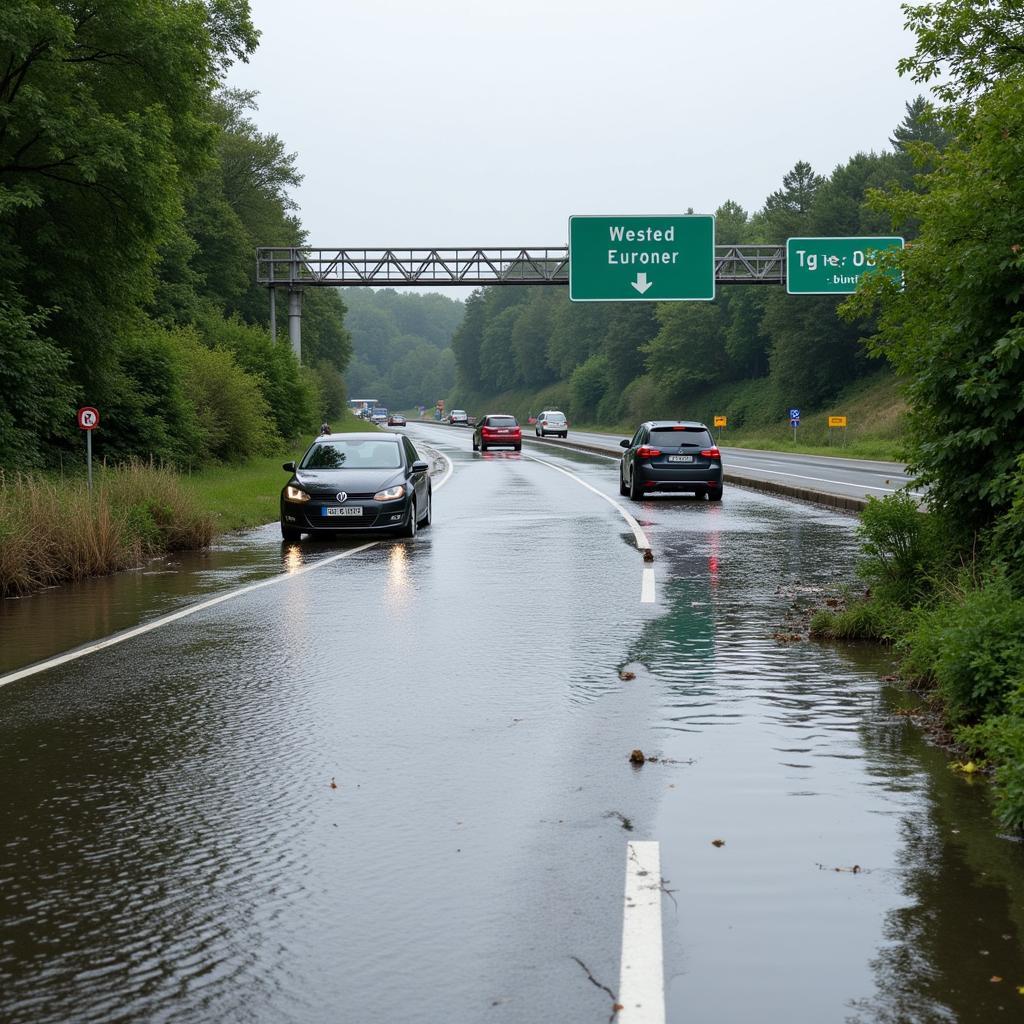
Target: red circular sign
(88, 418)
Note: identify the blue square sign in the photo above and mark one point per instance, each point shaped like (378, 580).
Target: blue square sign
(794, 414)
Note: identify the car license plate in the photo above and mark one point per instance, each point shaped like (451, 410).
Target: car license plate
(353, 510)
(680, 458)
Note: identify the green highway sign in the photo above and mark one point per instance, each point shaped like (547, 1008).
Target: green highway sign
(833, 266)
(641, 259)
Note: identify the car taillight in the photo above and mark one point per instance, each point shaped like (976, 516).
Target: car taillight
(711, 453)
(643, 452)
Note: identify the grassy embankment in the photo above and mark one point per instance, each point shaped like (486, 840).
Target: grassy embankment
(51, 532)
(757, 417)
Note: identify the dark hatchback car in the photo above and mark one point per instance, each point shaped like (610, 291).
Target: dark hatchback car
(355, 483)
(497, 430)
(671, 455)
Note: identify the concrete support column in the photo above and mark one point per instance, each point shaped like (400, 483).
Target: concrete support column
(273, 313)
(295, 320)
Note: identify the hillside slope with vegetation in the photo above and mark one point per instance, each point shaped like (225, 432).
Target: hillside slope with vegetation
(751, 354)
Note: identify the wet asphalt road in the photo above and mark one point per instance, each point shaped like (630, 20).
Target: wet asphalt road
(173, 849)
(858, 478)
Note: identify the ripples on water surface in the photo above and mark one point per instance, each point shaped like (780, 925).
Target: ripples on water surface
(172, 849)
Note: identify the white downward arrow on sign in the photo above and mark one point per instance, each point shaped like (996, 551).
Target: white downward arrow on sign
(641, 284)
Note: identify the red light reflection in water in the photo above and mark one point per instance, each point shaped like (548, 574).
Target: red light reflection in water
(713, 563)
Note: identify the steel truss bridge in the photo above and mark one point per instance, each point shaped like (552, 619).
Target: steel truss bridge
(295, 269)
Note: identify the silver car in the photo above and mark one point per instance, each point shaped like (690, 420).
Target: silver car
(553, 422)
(458, 416)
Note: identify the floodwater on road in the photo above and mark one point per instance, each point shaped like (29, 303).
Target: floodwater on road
(397, 788)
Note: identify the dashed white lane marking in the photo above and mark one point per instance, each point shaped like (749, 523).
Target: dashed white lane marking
(642, 974)
(194, 609)
(642, 543)
(647, 587)
(823, 480)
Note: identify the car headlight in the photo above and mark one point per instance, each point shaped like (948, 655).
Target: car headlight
(294, 494)
(392, 493)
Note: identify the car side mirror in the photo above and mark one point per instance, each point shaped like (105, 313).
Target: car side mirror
(623, 444)
(420, 466)
(289, 466)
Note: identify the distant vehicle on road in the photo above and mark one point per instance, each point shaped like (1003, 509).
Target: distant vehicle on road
(551, 421)
(671, 455)
(396, 419)
(379, 415)
(497, 430)
(458, 417)
(354, 483)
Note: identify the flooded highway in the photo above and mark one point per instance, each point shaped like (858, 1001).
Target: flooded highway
(397, 788)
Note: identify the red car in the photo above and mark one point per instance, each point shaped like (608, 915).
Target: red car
(495, 430)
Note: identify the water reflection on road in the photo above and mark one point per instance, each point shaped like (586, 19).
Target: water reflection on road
(170, 847)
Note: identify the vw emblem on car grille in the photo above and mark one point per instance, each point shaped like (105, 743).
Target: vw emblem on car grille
(342, 496)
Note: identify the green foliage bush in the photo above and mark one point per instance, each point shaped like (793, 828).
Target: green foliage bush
(971, 644)
(234, 416)
(1000, 740)
(872, 619)
(902, 548)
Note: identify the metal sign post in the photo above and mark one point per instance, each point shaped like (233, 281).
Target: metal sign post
(837, 421)
(88, 420)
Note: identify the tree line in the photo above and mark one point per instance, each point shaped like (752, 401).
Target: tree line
(627, 361)
(134, 189)
(401, 345)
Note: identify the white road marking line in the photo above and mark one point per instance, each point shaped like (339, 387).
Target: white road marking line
(642, 974)
(840, 483)
(183, 613)
(642, 543)
(647, 587)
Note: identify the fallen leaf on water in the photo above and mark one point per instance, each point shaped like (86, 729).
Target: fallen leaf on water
(995, 978)
(627, 675)
(648, 555)
(1020, 990)
(637, 757)
(966, 768)
(616, 1007)
(718, 842)
(334, 785)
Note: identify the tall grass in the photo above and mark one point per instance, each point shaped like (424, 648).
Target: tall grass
(54, 532)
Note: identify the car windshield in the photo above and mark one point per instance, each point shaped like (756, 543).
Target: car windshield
(680, 437)
(353, 454)
(501, 421)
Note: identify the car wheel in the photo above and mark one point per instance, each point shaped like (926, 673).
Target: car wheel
(290, 534)
(483, 447)
(517, 448)
(715, 495)
(623, 489)
(428, 513)
(635, 490)
(409, 529)
(476, 447)
(564, 436)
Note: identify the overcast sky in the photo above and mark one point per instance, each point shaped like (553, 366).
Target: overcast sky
(459, 122)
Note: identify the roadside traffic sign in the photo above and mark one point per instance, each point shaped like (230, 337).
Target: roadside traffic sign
(642, 259)
(834, 266)
(88, 418)
(794, 414)
(720, 421)
(837, 421)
